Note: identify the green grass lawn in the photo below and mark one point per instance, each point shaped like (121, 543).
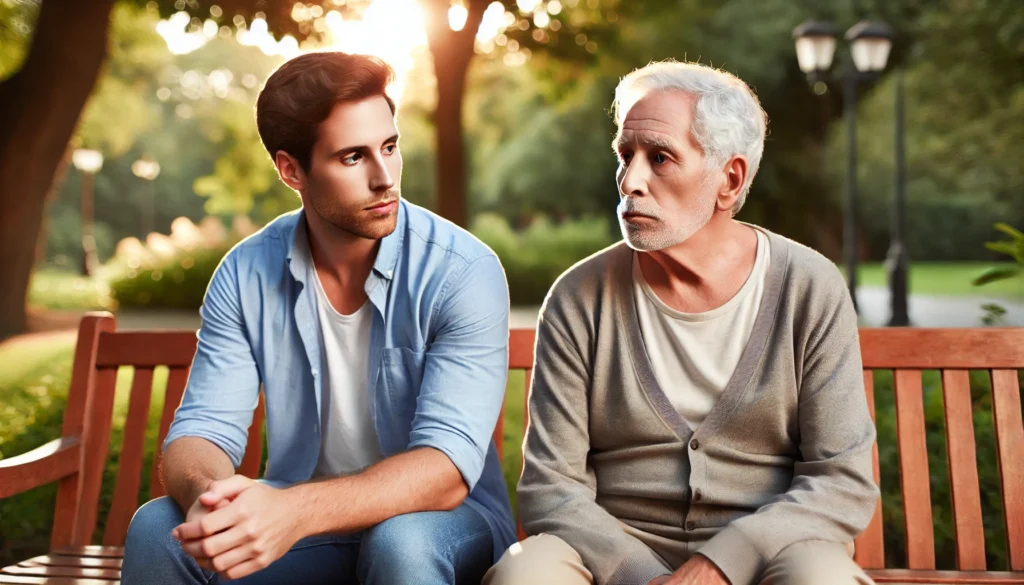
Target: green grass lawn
(946, 279)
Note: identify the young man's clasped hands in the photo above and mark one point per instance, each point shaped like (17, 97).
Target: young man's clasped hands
(239, 526)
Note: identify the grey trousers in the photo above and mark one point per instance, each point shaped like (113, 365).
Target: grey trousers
(548, 560)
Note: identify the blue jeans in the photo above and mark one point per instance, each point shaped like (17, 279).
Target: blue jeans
(432, 548)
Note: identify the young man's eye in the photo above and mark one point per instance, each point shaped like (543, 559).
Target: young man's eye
(351, 159)
(390, 149)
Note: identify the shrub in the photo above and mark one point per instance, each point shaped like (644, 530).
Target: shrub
(535, 257)
(171, 271)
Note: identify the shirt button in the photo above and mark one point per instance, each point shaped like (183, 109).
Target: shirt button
(691, 526)
(697, 496)
(390, 273)
(316, 428)
(694, 444)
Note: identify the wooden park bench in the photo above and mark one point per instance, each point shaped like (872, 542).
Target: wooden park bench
(76, 460)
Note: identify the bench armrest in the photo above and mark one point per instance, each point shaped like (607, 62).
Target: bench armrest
(55, 460)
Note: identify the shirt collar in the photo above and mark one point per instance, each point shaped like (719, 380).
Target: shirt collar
(300, 259)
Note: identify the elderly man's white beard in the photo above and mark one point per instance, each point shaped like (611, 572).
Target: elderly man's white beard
(665, 232)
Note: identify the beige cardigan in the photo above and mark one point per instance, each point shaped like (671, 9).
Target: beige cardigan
(784, 456)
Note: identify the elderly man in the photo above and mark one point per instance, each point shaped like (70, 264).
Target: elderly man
(698, 413)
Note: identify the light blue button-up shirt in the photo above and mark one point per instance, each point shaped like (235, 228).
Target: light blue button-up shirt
(438, 353)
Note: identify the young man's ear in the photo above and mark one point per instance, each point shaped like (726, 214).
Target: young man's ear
(290, 170)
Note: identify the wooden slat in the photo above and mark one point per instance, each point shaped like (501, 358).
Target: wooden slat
(254, 445)
(936, 349)
(903, 576)
(963, 471)
(129, 473)
(83, 371)
(92, 550)
(25, 580)
(870, 545)
(520, 348)
(1010, 446)
(95, 446)
(55, 560)
(75, 572)
(913, 449)
(176, 379)
(174, 349)
(57, 459)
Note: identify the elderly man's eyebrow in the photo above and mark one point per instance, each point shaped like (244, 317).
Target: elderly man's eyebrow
(650, 141)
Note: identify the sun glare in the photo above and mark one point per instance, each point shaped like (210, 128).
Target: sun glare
(390, 29)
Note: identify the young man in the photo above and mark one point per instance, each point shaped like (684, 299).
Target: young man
(379, 333)
(698, 413)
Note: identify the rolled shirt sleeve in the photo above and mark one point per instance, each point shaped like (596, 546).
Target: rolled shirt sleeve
(465, 368)
(223, 385)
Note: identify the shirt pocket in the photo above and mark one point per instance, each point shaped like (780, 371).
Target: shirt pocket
(402, 370)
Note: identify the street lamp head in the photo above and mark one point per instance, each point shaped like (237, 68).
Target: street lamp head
(146, 169)
(870, 42)
(87, 160)
(815, 46)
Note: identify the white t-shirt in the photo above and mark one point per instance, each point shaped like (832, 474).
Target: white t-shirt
(349, 441)
(695, 354)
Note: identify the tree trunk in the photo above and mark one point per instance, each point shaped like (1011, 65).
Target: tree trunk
(39, 108)
(452, 52)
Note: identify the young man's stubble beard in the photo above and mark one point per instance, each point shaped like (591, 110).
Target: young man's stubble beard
(355, 219)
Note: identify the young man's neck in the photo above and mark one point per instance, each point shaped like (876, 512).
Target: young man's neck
(339, 255)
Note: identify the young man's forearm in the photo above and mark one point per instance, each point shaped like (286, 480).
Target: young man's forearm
(190, 465)
(415, 481)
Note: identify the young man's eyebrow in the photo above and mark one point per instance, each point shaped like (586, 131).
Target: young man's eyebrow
(361, 147)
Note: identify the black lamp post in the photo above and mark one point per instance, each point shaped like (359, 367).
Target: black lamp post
(896, 262)
(869, 50)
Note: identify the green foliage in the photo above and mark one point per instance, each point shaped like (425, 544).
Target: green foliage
(535, 257)
(178, 282)
(53, 289)
(1013, 248)
(17, 18)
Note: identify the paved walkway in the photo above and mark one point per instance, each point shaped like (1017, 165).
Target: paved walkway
(935, 311)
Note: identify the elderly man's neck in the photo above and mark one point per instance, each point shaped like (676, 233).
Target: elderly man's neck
(707, 269)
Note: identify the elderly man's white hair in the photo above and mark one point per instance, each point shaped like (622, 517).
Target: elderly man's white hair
(727, 117)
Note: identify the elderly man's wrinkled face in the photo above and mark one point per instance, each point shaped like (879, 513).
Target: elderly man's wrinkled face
(665, 196)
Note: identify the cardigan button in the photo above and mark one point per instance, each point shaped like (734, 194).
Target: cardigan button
(690, 526)
(697, 496)
(694, 444)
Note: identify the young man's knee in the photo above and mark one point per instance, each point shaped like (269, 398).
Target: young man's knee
(152, 524)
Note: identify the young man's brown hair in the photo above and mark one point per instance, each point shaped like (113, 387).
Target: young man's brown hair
(301, 93)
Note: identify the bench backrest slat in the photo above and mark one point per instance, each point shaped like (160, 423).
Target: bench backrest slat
(1010, 446)
(177, 376)
(97, 445)
(870, 545)
(76, 418)
(914, 477)
(129, 470)
(963, 471)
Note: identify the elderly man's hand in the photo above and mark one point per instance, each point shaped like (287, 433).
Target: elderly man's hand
(699, 570)
(256, 527)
